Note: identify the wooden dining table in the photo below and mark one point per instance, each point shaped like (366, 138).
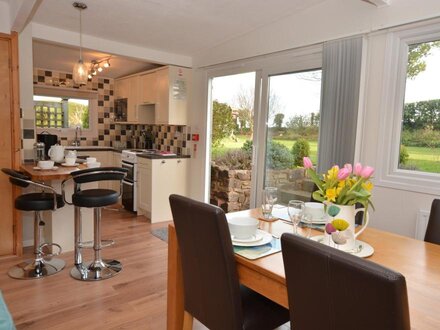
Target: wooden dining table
(418, 261)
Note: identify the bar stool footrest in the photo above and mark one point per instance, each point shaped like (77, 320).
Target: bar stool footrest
(89, 244)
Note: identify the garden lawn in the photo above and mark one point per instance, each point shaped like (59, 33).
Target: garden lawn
(425, 159)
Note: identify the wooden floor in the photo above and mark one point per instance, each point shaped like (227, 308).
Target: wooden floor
(134, 299)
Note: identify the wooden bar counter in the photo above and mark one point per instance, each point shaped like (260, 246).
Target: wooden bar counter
(59, 225)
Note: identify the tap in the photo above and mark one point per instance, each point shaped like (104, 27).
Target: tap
(76, 142)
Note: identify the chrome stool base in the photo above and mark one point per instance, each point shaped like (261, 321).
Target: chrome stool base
(96, 270)
(33, 269)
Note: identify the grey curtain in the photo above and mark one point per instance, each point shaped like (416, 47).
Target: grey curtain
(341, 71)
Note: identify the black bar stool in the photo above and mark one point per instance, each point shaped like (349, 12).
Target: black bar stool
(43, 263)
(95, 198)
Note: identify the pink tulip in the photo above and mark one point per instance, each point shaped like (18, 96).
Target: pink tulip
(343, 173)
(367, 171)
(348, 167)
(307, 162)
(357, 169)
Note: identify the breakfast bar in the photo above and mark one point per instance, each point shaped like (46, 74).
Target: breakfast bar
(59, 224)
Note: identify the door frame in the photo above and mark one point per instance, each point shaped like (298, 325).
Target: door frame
(16, 133)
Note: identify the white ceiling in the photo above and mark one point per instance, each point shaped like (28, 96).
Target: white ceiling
(179, 26)
(62, 58)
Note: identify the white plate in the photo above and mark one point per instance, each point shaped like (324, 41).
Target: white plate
(254, 238)
(319, 221)
(266, 238)
(45, 169)
(67, 165)
(363, 249)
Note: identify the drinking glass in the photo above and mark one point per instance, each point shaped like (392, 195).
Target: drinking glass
(295, 209)
(307, 225)
(270, 196)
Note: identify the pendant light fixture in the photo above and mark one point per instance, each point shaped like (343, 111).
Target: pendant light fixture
(80, 70)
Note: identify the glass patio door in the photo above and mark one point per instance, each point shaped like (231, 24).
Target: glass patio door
(289, 131)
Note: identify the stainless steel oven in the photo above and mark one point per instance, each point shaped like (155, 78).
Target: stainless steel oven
(129, 192)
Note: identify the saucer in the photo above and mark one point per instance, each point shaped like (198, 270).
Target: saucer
(363, 250)
(319, 221)
(67, 165)
(53, 168)
(265, 238)
(254, 238)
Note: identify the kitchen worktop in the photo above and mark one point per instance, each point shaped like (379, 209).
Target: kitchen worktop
(154, 156)
(148, 156)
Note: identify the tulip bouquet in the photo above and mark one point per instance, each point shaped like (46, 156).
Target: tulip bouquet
(344, 186)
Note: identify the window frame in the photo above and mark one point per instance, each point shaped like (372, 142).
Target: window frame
(388, 173)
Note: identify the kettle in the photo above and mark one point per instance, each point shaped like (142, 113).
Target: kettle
(56, 153)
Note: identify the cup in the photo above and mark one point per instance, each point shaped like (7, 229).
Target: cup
(316, 210)
(90, 160)
(266, 210)
(70, 160)
(270, 196)
(45, 164)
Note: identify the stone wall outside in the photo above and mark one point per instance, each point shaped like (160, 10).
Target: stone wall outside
(231, 189)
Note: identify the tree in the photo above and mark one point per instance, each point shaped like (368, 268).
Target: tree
(416, 57)
(278, 120)
(222, 122)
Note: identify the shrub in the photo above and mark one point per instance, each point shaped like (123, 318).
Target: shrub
(278, 156)
(235, 160)
(403, 155)
(247, 146)
(300, 149)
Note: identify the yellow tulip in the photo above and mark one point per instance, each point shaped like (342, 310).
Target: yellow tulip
(331, 194)
(368, 186)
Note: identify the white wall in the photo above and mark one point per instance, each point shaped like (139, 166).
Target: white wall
(396, 210)
(5, 21)
(332, 19)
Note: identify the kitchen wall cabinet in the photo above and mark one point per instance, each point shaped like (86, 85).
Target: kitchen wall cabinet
(157, 180)
(148, 88)
(128, 88)
(172, 95)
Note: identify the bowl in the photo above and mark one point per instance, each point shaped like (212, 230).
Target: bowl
(316, 210)
(93, 165)
(243, 227)
(45, 164)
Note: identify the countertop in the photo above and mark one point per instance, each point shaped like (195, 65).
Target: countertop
(61, 173)
(148, 156)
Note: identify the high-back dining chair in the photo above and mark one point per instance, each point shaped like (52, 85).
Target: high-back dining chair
(331, 289)
(433, 230)
(212, 293)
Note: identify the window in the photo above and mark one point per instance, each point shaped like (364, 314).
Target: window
(420, 135)
(409, 150)
(56, 112)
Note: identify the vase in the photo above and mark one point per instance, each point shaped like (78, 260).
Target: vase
(349, 235)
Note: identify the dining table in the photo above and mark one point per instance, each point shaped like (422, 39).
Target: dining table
(417, 260)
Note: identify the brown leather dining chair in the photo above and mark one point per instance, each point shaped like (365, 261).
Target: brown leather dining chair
(331, 289)
(212, 292)
(433, 230)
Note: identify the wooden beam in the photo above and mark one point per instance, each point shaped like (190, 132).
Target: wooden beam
(23, 14)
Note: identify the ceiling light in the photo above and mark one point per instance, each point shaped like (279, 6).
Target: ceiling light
(99, 69)
(89, 76)
(94, 72)
(80, 69)
(107, 64)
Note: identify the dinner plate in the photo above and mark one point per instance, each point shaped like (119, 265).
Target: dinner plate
(319, 221)
(45, 169)
(254, 238)
(67, 165)
(363, 250)
(266, 238)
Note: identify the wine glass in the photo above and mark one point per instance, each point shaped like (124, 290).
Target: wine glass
(270, 196)
(295, 209)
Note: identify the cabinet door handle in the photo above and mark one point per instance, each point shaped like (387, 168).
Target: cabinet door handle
(179, 161)
(163, 162)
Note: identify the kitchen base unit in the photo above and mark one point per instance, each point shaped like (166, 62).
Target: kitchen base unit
(157, 180)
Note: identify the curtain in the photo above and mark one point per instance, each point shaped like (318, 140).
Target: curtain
(341, 72)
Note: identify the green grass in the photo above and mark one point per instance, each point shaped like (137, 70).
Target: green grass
(424, 159)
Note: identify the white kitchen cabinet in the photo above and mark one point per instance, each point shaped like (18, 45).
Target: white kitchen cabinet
(173, 85)
(157, 180)
(129, 88)
(148, 88)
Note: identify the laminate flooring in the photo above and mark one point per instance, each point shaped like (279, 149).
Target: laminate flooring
(134, 299)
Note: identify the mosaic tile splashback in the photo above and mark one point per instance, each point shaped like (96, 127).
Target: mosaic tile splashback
(176, 139)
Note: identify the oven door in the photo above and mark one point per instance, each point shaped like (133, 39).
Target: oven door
(129, 195)
(131, 174)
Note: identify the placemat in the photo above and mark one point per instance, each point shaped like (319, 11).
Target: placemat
(255, 252)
